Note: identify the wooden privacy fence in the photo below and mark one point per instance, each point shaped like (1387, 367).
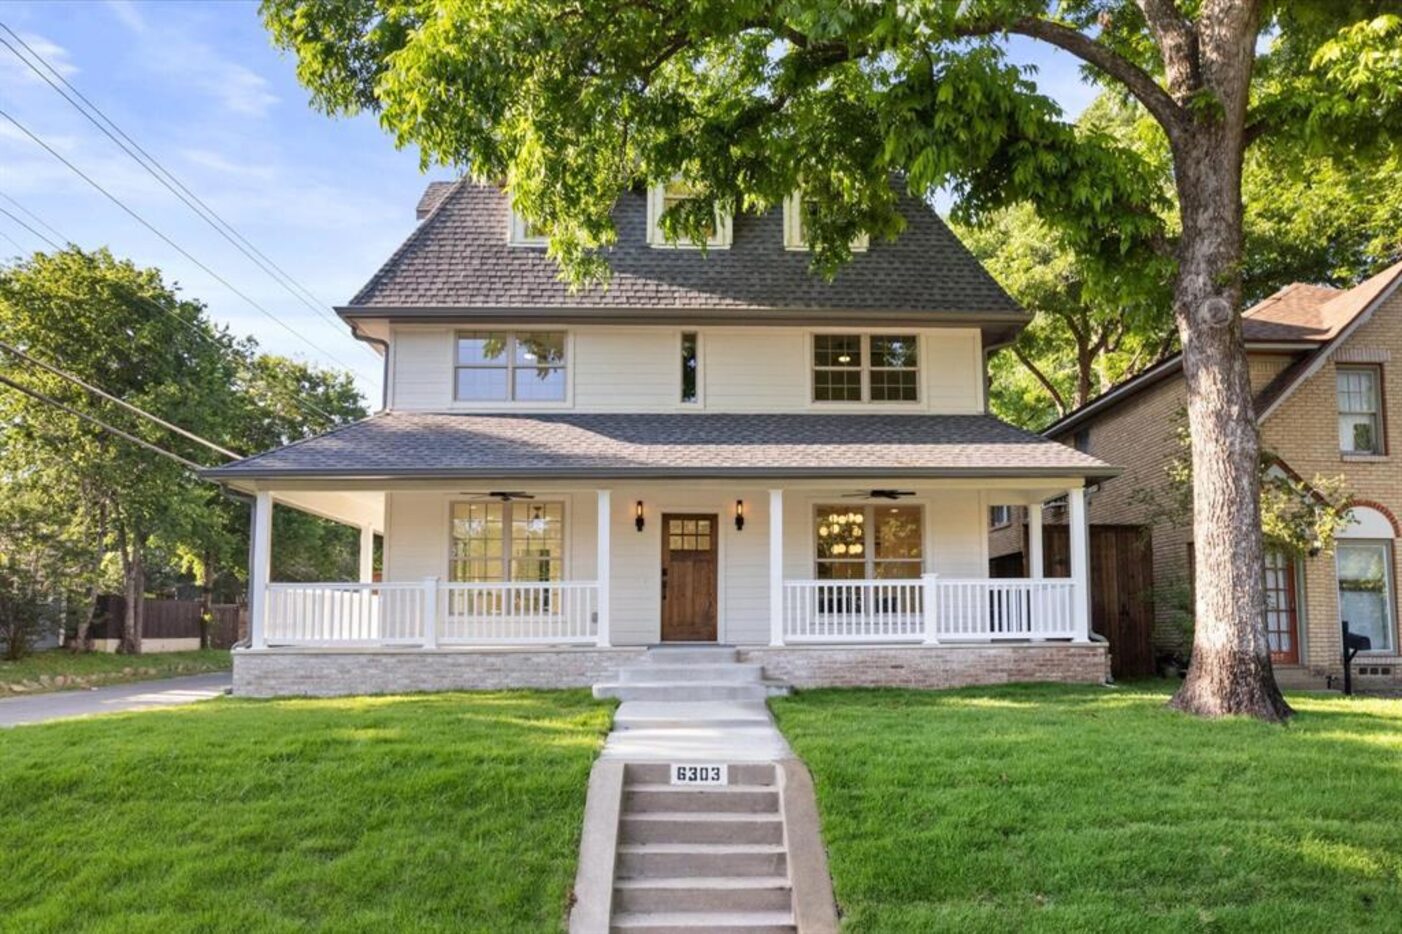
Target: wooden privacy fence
(168, 619)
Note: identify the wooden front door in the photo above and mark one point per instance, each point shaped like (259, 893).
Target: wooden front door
(1282, 614)
(689, 577)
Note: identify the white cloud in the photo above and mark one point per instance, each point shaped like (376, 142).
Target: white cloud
(127, 13)
(56, 55)
(215, 162)
(239, 89)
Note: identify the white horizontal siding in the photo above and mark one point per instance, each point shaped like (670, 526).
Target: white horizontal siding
(638, 369)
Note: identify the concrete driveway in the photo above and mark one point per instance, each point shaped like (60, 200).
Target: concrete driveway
(140, 695)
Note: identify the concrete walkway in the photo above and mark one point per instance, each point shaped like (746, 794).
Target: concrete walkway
(117, 698)
(695, 731)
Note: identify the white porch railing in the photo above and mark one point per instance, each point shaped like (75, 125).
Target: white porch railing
(431, 613)
(932, 609)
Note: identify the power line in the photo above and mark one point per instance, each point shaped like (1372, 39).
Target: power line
(121, 402)
(143, 300)
(167, 240)
(168, 179)
(187, 464)
(32, 216)
(30, 229)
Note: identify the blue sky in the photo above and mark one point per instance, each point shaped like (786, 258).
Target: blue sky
(198, 85)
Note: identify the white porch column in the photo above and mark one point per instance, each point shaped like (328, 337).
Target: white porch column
(776, 567)
(1080, 564)
(367, 554)
(260, 556)
(603, 564)
(1035, 566)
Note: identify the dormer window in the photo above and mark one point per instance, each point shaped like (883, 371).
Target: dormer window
(524, 233)
(662, 197)
(797, 210)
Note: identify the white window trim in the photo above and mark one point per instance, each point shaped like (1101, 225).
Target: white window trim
(793, 227)
(490, 405)
(722, 239)
(1375, 372)
(868, 541)
(1390, 594)
(866, 403)
(517, 234)
(566, 545)
(700, 401)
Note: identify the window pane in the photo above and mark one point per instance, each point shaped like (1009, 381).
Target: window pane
(1364, 598)
(482, 348)
(841, 570)
(478, 533)
(690, 366)
(540, 349)
(837, 385)
(539, 384)
(895, 350)
(840, 533)
(476, 384)
(896, 570)
(894, 386)
(837, 350)
(898, 533)
(1358, 434)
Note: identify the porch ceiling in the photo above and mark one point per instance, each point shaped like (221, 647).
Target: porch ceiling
(665, 446)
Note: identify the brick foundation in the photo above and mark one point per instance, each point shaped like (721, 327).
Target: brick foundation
(334, 672)
(943, 666)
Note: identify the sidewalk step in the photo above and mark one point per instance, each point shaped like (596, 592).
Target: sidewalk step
(693, 827)
(686, 654)
(660, 773)
(717, 922)
(657, 860)
(712, 715)
(703, 893)
(746, 799)
(691, 690)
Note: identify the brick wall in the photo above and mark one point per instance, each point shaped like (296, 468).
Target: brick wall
(335, 672)
(942, 666)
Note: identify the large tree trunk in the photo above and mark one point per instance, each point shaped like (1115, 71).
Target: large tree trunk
(1230, 671)
(134, 589)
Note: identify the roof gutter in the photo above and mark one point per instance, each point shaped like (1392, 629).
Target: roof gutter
(659, 473)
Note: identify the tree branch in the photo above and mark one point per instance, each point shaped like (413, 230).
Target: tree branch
(1057, 399)
(1178, 45)
(1139, 82)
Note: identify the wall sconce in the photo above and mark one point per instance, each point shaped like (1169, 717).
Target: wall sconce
(638, 515)
(739, 515)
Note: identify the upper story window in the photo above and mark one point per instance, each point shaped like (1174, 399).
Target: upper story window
(1360, 410)
(797, 210)
(1000, 516)
(662, 197)
(865, 368)
(1081, 440)
(507, 366)
(691, 368)
(524, 233)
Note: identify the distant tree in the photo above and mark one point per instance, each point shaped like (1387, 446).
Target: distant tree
(123, 329)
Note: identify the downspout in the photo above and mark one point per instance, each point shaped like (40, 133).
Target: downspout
(384, 354)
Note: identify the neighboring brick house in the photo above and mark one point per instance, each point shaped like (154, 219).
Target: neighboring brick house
(1325, 393)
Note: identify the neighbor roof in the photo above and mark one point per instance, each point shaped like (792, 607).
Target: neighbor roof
(459, 259)
(1316, 317)
(669, 445)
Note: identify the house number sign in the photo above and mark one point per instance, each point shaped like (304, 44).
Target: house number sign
(698, 774)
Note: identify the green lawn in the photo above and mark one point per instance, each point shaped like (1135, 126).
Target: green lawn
(95, 668)
(440, 812)
(1043, 808)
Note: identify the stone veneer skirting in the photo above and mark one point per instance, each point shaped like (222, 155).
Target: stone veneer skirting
(940, 666)
(334, 672)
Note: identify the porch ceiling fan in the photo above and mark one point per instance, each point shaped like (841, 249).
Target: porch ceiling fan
(878, 494)
(504, 496)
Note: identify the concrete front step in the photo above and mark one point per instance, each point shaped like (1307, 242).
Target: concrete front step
(729, 799)
(688, 654)
(715, 922)
(697, 827)
(712, 715)
(676, 692)
(703, 893)
(655, 672)
(676, 860)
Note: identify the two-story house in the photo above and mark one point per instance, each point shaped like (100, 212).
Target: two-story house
(715, 446)
(1325, 399)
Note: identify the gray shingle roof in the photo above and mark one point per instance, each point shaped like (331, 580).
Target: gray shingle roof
(459, 258)
(671, 445)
